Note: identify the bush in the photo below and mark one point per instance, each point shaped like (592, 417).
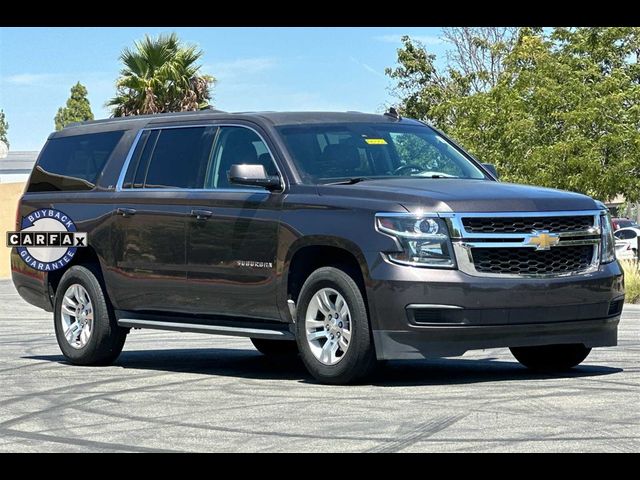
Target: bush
(631, 280)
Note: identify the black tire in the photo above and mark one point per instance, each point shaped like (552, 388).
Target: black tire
(359, 361)
(107, 338)
(275, 348)
(551, 358)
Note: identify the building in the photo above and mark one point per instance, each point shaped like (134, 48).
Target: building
(16, 166)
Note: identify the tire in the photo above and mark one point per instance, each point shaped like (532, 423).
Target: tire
(275, 348)
(551, 358)
(106, 338)
(359, 359)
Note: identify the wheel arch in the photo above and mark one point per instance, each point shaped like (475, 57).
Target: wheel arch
(85, 256)
(310, 253)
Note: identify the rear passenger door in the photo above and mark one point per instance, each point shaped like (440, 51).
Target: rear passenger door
(151, 218)
(232, 234)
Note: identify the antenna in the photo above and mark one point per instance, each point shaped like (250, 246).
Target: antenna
(393, 113)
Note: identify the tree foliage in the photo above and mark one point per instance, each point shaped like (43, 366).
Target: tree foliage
(562, 111)
(77, 109)
(4, 128)
(160, 74)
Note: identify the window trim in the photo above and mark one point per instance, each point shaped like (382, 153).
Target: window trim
(127, 161)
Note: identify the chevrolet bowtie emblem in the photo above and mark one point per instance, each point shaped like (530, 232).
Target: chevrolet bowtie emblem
(542, 240)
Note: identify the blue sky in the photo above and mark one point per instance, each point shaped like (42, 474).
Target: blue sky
(257, 69)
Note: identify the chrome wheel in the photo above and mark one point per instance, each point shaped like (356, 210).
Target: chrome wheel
(76, 316)
(328, 326)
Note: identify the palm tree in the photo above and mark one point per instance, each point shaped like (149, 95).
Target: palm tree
(160, 75)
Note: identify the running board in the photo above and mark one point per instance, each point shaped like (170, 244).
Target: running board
(214, 329)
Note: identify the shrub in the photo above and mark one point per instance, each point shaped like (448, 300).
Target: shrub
(631, 280)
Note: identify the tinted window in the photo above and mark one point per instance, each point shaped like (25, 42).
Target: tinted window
(73, 163)
(625, 234)
(179, 159)
(237, 145)
(624, 223)
(324, 153)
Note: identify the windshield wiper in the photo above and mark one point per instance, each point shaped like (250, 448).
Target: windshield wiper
(435, 175)
(348, 181)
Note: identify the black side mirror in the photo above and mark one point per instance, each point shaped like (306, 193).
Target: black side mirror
(254, 175)
(492, 169)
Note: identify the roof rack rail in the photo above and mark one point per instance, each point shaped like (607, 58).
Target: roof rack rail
(212, 109)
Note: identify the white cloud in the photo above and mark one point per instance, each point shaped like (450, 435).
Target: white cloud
(367, 67)
(240, 67)
(31, 79)
(395, 38)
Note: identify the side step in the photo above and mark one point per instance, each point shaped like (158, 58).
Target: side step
(269, 334)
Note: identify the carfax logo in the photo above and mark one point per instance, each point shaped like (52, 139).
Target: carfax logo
(47, 240)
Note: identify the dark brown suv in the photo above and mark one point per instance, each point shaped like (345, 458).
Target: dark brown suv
(345, 238)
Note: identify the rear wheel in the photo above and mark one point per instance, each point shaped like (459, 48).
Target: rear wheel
(549, 358)
(86, 328)
(275, 348)
(332, 328)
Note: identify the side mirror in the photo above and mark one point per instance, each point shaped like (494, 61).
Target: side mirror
(254, 175)
(492, 169)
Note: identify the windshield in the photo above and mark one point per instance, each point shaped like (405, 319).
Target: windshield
(333, 152)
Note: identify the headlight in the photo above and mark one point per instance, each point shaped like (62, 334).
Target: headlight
(424, 239)
(608, 249)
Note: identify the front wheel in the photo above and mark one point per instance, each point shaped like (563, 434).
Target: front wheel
(550, 358)
(332, 328)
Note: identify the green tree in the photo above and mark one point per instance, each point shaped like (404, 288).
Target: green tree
(160, 75)
(563, 112)
(4, 127)
(77, 109)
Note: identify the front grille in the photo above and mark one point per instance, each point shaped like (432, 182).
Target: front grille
(527, 224)
(527, 261)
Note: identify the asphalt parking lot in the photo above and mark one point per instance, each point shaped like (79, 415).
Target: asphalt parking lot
(188, 392)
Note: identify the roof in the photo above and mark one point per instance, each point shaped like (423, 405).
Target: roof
(274, 118)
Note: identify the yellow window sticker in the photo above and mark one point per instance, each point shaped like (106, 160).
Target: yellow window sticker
(375, 141)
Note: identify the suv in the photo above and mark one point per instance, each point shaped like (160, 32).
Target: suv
(345, 237)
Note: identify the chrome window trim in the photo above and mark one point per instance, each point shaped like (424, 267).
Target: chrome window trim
(463, 241)
(127, 161)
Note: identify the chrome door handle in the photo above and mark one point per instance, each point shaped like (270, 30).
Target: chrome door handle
(201, 214)
(126, 212)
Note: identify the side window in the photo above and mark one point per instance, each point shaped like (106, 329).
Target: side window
(237, 145)
(170, 158)
(73, 163)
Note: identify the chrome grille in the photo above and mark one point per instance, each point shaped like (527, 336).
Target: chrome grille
(527, 261)
(526, 244)
(527, 224)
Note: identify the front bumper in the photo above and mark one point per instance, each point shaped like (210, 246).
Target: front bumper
(467, 312)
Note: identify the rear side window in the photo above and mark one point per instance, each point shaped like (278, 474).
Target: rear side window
(73, 163)
(179, 158)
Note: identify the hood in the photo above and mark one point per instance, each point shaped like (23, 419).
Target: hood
(460, 195)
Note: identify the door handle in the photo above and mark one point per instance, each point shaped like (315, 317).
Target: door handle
(126, 212)
(201, 214)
